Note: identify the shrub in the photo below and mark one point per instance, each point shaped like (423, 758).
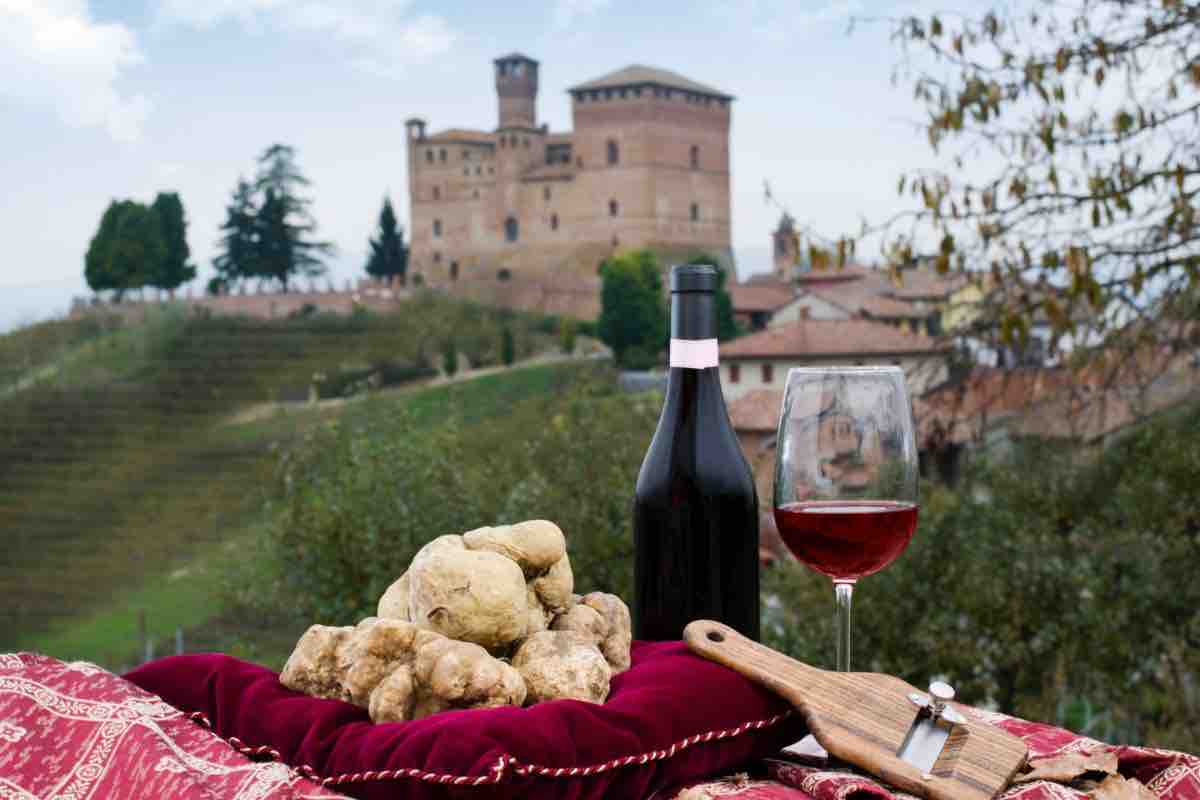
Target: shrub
(507, 347)
(360, 496)
(566, 336)
(449, 357)
(1052, 580)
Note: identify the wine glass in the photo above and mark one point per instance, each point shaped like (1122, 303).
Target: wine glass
(846, 476)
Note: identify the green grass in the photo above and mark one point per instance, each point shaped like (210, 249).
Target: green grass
(120, 465)
(489, 395)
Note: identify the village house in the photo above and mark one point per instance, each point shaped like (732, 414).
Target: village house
(761, 360)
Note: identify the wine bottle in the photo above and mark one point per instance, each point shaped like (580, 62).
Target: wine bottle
(695, 522)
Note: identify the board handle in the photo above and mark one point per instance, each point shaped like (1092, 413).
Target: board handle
(787, 677)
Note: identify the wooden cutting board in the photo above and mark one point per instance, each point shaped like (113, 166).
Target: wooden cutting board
(864, 718)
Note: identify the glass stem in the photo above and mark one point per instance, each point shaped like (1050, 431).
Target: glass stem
(843, 591)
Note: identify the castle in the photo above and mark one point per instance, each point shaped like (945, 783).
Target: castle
(647, 165)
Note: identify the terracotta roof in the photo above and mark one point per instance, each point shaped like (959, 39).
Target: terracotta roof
(463, 135)
(760, 297)
(811, 337)
(757, 410)
(638, 74)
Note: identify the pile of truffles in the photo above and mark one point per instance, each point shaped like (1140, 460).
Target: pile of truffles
(484, 619)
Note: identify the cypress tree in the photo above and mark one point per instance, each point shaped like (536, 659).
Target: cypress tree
(236, 249)
(174, 271)
(389, 254)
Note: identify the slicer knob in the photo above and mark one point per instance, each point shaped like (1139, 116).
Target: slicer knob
(939, 695)
(941, 692)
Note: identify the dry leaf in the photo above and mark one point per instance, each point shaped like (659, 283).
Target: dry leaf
(1066, 768)
(1117, 788)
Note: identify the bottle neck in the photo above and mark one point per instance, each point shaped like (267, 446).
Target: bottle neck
(693, 331)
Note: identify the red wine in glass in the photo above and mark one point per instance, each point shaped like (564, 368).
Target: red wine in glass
(846, 476)
(847, 539)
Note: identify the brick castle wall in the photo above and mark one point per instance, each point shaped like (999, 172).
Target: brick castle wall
(466, 186)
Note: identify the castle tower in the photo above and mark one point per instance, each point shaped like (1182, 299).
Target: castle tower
(516, 89)
(786, 249)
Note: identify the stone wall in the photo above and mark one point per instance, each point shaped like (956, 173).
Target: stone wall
(371, 294)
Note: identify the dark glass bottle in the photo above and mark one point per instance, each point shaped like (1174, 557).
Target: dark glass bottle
(695, 522)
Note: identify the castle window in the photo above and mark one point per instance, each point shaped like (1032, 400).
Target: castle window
(525, 142)
(554, 222)
(442, 155)
(437, 228)
(735, 373)
(695, 156)
(614, 152)
(491, 170)
(467, 171)
(637, 92)
(768, 373)
(612, 208)
(695, 212)
(479, 170)
(466, 154)
(453, 270)
(511, 230)
(437, 193)
(437, 258)
(429, 156)
(622, 94)
(546, 194)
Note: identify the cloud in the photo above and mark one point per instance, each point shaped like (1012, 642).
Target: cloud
(567, 11)
(381, 35)
(779, 21)
(52, 54)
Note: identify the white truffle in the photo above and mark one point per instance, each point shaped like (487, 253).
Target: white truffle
(469, 595)
(394, 602)
(536, 544)
(559, 665)
(554, 588)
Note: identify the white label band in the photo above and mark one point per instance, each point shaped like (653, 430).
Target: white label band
(694, 353)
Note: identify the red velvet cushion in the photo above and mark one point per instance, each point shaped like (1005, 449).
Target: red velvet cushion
(670, 718)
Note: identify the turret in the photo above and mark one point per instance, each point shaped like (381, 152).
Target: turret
(416, 128)
(786, 248)
(516, 89)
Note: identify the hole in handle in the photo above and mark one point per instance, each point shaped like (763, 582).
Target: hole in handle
(716, 636)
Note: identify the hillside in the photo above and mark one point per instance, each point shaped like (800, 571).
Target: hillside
(118, 465)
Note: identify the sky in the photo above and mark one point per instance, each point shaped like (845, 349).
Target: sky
(103, 99)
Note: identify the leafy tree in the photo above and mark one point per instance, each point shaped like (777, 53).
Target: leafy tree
(1087, 113)
(727, 326)
(633, 313)
(508, 349)
(127, 250)
(96, 261)
(237, 248)
(389, 254)
(283, 247)
(175, 269)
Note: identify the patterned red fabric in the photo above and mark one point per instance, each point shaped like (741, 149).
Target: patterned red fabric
(671, 717)
(1170, 775)
(76, 731)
